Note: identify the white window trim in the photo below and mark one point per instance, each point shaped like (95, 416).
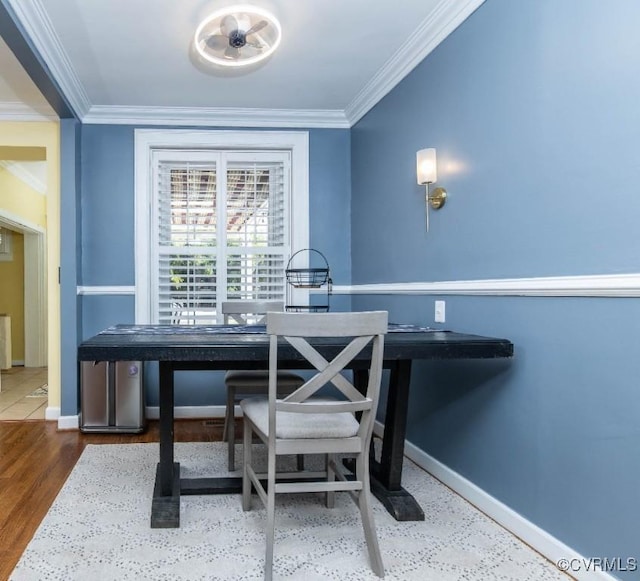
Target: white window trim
(146, 140)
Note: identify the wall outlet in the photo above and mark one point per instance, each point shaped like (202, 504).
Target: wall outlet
(440, 312)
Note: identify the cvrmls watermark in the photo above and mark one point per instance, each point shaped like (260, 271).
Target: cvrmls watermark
(608, 564)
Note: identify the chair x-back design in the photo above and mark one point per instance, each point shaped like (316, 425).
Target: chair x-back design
(304, 423)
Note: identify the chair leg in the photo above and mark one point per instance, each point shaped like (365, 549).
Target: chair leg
(247, 434)
(225, 429)
(271, 514)
(230, 428)
(366, 513)
(331, 476)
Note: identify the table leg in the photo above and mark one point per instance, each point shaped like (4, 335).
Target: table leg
(386, 475)
(165, 507)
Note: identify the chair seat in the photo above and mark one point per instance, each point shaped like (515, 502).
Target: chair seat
(247, 379)
(291, 426)
(241, 383)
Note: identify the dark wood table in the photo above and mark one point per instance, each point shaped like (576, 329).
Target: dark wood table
(178, 348)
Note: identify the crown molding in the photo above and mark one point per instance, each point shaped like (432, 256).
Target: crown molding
(18, 223)
(20, 171)
(444, 19)
(216, 116)
(18, 111)
(36, 23)
(596, 285)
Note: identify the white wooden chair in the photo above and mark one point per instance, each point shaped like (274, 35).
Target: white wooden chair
(249, 382)
(303, 424)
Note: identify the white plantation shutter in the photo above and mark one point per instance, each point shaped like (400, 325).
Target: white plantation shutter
(220, 230)
(256, 230)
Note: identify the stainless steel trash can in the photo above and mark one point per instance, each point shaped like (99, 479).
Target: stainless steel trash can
(112, 397)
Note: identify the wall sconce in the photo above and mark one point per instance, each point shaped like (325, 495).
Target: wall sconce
(427, 173)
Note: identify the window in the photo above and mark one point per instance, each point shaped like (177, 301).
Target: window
(214, 224)
(6, 251)
(219, 231)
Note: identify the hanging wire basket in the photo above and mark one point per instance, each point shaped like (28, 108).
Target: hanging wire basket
(308, 277)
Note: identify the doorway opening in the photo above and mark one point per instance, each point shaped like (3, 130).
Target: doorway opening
(23, 372)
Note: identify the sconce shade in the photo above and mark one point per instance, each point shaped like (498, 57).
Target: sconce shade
(426, 166)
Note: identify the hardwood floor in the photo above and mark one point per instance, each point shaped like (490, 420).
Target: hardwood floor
(35, 461)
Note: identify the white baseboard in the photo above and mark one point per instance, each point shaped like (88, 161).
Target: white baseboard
(69, 423)
(541, 541)
(153, 413)
(189, 412)
(51, 413)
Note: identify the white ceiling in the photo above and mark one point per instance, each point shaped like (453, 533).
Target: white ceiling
(131, 61)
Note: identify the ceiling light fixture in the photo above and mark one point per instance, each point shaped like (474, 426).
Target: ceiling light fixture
(237, 36)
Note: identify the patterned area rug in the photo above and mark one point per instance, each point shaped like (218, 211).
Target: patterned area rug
(98, 528)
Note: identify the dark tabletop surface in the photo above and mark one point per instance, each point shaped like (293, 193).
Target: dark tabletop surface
(250, 343)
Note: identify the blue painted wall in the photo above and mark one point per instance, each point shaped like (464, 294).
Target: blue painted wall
(533, 109)
(70, 253)
(108, 205)
(108, 233)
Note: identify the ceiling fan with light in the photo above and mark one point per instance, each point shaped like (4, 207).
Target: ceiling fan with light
(237, 36)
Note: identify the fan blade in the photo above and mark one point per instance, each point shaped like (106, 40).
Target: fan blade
(232, 53)
(257, 26)
(228, 25)
(217, 41)
(255, 45)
